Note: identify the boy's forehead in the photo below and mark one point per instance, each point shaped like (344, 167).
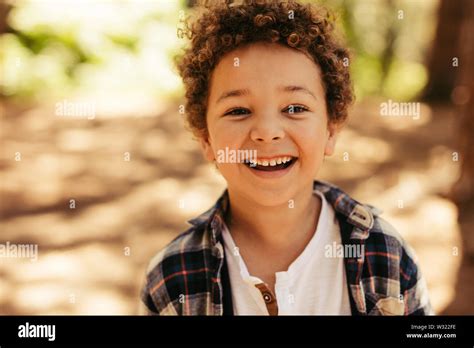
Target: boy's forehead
(263, 64)
(261, 55)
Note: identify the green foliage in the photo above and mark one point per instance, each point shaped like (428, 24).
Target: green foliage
(389, 40)
(126, 46)
(123, 47)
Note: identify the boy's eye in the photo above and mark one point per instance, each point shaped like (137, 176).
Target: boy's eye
(296, 109)
(237, 112)
(292, 109)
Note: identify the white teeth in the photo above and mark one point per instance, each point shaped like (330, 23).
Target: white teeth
(272, 162)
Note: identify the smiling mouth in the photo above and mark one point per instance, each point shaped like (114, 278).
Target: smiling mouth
(269, 167)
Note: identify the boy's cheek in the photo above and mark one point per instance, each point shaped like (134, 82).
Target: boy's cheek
(312, 143)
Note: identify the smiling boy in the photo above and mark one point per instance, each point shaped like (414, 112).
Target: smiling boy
(269, 77)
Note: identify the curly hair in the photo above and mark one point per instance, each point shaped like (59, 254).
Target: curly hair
(223, 26)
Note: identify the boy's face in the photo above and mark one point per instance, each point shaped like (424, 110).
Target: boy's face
(277, 107)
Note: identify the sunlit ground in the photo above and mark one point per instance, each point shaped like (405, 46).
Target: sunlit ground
(92, 258)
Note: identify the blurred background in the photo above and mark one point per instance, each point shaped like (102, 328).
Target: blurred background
(98, 170)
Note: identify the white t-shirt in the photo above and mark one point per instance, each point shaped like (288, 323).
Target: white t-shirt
(312, 285)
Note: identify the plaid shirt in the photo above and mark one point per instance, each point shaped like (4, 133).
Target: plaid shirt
(187, 277)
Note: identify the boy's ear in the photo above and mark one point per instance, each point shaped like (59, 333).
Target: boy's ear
(333, 132)
(206, 149)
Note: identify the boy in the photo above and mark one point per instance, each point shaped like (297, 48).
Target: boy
(269, 77)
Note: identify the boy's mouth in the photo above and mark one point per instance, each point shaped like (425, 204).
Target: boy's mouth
(271, 165)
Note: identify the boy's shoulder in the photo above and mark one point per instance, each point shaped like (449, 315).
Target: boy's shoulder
(185, 270)
(187, 241)
(192, 242)
(199, 238)
(365, 218)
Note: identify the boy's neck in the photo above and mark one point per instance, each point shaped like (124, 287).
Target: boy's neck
(279, 227)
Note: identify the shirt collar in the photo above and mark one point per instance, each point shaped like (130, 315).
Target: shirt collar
(358, 215)
(213, 219)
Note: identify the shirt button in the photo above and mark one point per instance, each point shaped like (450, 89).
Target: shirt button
(267, 297)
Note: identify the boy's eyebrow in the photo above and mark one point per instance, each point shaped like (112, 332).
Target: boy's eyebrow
(233, 93)
(294, 88)
(245, 91)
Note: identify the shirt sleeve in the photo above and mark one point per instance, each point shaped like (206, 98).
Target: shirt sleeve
(147, 307)
(413, 287)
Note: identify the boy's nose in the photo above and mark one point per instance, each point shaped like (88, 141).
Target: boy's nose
(267, 129)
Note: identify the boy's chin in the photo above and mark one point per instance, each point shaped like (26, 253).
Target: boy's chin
(272, 202)
(273, 198)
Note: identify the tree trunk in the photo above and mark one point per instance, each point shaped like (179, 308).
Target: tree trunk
(442, 74)
(463, 190)
(4, 11)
